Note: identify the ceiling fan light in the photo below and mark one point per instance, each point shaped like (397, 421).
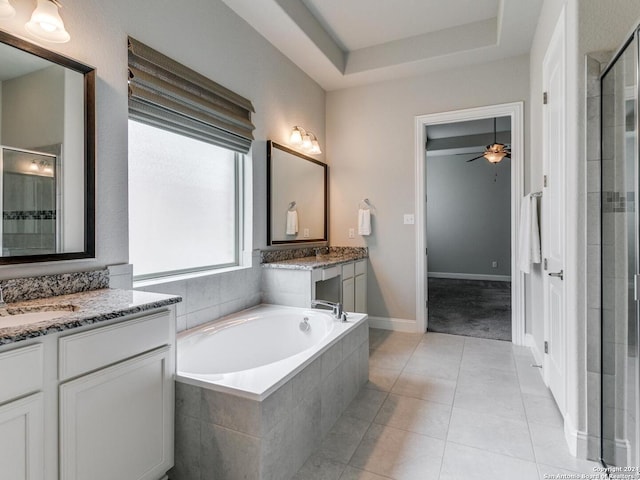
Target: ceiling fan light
(494, 157)
(6, 9)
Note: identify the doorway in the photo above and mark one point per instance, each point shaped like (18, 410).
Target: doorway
(468, 228)
(515, 113)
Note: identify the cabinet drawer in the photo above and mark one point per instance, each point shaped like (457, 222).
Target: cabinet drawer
(347, 270)
(330, 272)
(361, 267)
(97, 348)
(21, 372)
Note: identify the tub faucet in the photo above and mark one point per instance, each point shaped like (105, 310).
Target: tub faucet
(336, 308)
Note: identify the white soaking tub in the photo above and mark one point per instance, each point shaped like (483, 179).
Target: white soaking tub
(255, 380)
(254, 351)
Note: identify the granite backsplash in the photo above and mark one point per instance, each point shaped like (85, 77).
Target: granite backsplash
(270, 256)
(32, 288)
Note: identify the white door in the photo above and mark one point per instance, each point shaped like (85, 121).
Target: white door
(117, 423)
(553, 215)
(22, 439)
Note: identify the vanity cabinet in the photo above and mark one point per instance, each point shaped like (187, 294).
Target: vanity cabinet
(345, 282)
(22, 413)
(354, 286)
(92, 403)
(117, 420)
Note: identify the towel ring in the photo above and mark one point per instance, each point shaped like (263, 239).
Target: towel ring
(292, 206)
(365, 204)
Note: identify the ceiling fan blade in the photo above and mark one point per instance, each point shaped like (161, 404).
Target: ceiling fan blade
(481, 156)
(468, 153)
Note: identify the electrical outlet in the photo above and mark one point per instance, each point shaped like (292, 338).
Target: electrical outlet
(352, 233)
(494, 264)
(305, 233)
(409, 219)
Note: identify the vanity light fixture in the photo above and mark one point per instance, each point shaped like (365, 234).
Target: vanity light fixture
(308, 140)
(41, 166)
(6, 9)
(46, 23)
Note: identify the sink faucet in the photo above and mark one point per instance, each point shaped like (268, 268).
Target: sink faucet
(336, 308)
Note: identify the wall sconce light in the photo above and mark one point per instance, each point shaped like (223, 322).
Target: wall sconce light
(308, 140)
(46, 23)
(6, 9)
(41, 166)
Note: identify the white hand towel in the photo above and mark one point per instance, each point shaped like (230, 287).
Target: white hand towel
(364, 221)
(292, 222)
(529, 243)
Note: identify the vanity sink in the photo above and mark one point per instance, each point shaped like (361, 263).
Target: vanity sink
(17, 317)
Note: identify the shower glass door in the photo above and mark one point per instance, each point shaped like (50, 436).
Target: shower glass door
(619, 400)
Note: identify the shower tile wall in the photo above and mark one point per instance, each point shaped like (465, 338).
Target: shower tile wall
(594, 63)
(617, 203)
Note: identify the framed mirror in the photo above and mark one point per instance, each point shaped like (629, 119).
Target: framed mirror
(47, 154)
(297, 197)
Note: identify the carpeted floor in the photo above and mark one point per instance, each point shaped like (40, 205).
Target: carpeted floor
(474, 308)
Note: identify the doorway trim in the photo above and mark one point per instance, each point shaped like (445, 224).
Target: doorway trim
(515, 112)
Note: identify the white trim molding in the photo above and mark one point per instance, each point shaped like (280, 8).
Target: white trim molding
(394, 324)
(470, 276)
(516, 112)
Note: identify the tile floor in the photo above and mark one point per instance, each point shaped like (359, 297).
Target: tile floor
(446, 407)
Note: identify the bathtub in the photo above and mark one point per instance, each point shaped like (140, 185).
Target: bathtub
(255, 382)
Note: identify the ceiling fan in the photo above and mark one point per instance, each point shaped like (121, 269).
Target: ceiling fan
(495, 152)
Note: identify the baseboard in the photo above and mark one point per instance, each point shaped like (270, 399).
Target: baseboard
(470, 276)
(530, 342)
(394, 324)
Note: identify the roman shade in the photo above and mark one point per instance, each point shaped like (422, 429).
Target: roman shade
(166, 94)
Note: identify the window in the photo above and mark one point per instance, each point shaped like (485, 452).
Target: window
(185, 203)
(187, 139)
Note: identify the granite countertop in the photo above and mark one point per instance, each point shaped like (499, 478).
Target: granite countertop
(311, 263)
(86, 308)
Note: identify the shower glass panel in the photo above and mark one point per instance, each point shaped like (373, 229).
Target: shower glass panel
(619, 399)
(30, 203)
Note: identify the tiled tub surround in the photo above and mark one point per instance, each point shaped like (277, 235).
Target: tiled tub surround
(223, 435)
(87, 308)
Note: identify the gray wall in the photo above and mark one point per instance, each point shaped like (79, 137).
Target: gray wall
(468, 215)
(209, 38)
(371, 151)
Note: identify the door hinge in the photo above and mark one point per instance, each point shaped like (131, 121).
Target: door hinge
(426, 251)
(546, 347)
(545, 98)
(636, 286)
(546, 263)
(546, 181)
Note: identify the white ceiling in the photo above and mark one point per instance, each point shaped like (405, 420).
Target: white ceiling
(342, 43)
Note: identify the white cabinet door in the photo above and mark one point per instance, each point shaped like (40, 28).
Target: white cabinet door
(348, 295)
(22, 439)
(361, 294)
(117, 423)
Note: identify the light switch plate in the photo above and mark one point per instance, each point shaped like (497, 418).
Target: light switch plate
(409, 219)
(305, 233)
(352, 233)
